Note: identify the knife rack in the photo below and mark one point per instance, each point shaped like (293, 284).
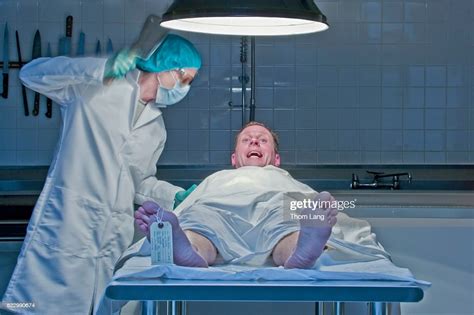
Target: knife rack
(14, 64)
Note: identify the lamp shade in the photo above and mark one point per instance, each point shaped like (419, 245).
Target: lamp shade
(245, 17)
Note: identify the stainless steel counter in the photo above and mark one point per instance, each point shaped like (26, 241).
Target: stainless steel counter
(408, 198)
(438, 191)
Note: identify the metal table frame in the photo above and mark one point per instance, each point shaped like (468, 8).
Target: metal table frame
(378, 293)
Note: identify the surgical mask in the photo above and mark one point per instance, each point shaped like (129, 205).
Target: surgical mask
(166, 97)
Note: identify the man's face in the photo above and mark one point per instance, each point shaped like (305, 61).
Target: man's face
(255, 147)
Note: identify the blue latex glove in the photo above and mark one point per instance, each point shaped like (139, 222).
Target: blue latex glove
(181, 195)
(121, 63)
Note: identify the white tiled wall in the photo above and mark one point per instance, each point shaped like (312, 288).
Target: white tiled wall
(390, 82)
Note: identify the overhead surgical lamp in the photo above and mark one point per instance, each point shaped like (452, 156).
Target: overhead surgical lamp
(245, 17)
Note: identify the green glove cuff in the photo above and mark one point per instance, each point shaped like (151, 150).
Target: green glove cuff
(181, 195)
(121, 63)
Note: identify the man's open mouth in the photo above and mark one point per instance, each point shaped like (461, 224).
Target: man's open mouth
(254, 154)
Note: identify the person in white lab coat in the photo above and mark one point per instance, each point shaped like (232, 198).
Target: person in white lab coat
(240, 214)
(111, 138)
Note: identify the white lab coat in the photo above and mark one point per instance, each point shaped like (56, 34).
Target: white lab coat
(83, 219)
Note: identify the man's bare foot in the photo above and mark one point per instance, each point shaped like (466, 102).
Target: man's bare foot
(184, 253)
(313, 235)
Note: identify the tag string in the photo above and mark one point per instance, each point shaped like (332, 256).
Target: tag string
(160, 218)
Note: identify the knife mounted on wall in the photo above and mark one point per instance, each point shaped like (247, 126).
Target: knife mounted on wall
(64, 46)
(23, 89)
(36, 54)
(6, 60)
(67, 41)
(81, 44)
(49, 102)
(98, 49)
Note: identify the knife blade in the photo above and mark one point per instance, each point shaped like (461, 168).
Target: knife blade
(67, 40)
(61, 48)
(6, 60)
(49, 102)
(80, 45)
(36, 54)
(48, 50)
(150, 37)
(23, 89)
(110, 47)
(98, 49)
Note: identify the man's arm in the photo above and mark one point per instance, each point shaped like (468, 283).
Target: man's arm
(56, 77)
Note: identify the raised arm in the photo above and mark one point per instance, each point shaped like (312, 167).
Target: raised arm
(57, 77)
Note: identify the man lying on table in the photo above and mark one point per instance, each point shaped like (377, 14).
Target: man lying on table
(240, 213)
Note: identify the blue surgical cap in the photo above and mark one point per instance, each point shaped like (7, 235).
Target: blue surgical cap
(174, 53)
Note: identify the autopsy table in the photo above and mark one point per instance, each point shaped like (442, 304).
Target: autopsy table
(377, 293)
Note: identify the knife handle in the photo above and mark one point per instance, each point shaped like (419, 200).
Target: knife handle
(36, 104)
(5, 86)
(69, 26)
(49, 108)
(25, 100)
